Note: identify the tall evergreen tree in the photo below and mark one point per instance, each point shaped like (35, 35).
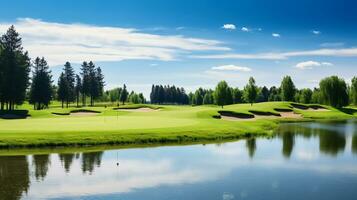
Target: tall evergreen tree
(287, 89)
(78, 88)
(85, 82)
(62, 88)
(124, 95)
(70, 83)
(41, 86)
(250, 91)
(14, 70)
(93, 84)
(99, 83)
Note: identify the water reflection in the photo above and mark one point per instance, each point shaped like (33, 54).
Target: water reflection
(41, 164)
(332, 139)
(354, 144)
(67, 160)
(251, 146)
(14, 177)
(288, 143)
(237, 169)
(90, 161)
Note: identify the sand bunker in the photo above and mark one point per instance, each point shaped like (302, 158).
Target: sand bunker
(83, 114)
(291, 115)
(139, 109)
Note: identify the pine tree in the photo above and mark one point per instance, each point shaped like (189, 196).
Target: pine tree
(14, 70)
(85, 82)
(41, 86)
(99, 83)
(78, 88)
(62, 88)
(70, 83)
(93, 84)
(124, 95)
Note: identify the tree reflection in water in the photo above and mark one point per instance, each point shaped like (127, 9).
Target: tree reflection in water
(14, 177)
(15, 172)
(251, 146)
(66, 160)
(90, 160)
(330, 142)
(354, 144)
(41, 164)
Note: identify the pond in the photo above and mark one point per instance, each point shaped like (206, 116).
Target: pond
(303, 161)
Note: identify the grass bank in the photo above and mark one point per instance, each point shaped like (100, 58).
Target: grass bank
(164, 125)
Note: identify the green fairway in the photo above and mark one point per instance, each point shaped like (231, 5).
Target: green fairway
(152, 124)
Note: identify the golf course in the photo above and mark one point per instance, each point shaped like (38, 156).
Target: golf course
(144, 124)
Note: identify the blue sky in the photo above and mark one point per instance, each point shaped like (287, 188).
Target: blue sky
(192, 43)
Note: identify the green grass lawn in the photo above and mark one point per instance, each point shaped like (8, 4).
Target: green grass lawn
(167, 124)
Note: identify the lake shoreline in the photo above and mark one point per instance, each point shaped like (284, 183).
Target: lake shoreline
(183, 125)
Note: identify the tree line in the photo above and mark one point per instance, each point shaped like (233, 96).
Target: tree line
(168, 95)
(332, 91)
(16, 85)
(122, 95)
(79, 87)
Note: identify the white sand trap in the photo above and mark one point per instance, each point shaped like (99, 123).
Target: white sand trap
(290, 115)
(83, 114)
(139, 110)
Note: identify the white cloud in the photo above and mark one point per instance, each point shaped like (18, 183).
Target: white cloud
(277, 35)
(245, 29)
(310, 64)
(231, 68)
(229, 26)
(327, 64)
(59, 42)
(316, 32)
(349, 52)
